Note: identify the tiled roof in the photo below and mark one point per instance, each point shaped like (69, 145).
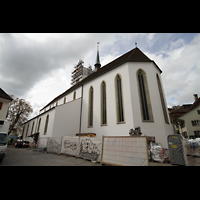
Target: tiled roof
(4, 95)
(134, 55)
(175, 114)
(195, 104)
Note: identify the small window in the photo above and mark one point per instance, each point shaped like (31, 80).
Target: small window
(197, 134)
(196, 123)
(1, 104)
(74, 97)
(198, 111)
(184, 134)
(64, 100)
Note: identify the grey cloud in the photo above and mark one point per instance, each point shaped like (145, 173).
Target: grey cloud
(23, 62)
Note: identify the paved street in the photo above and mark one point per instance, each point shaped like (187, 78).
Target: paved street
(30, 157)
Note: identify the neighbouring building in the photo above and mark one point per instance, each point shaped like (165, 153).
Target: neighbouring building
(124, 94)
(5, 99)
(186, 119)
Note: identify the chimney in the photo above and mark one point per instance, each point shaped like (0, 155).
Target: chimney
(195, 97)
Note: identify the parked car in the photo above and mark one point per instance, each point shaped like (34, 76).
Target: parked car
(21, 144)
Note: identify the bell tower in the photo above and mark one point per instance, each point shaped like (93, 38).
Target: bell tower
(97, 64)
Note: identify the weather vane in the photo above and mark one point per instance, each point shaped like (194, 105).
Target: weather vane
(135, 44)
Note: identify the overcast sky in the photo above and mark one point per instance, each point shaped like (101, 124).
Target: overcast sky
(38, 66)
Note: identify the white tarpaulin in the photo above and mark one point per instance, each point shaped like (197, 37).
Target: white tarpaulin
(127, 151)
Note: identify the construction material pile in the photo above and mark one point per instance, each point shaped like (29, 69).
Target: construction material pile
(192, 147)
(158, 153)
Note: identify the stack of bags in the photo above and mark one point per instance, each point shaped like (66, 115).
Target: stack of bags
(157, 153)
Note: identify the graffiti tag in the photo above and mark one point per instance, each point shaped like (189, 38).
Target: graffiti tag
(71, 145)
(88, 149)
(53, 144)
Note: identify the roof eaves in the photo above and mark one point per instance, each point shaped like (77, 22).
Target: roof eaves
(39, 115)
(194, 105)
(106, 68)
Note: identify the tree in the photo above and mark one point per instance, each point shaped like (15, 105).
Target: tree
(18, 113)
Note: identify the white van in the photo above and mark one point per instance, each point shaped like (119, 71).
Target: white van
(3, 138)
(3, 145)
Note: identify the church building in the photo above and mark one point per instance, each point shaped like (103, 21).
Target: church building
(122, 95)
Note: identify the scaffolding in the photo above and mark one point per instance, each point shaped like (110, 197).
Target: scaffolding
(80, 72)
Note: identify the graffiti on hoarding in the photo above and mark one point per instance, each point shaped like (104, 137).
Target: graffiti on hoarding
(71, 145)
(88, 149)
(53, 144)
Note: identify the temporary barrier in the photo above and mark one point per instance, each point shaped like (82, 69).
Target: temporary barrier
(70, 145)
(125, 150)
(90, 148)
(176, 151)
(54, 145)
(42, 144)
(84, 147)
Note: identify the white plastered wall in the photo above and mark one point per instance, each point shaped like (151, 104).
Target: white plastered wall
(158, 128)
(112, 127)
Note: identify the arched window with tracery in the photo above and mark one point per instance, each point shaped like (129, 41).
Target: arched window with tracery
(145, 103)
(162, 99)
(90, 108)
(46, 125)
(38, 128)
(119, 99)
(103, 104)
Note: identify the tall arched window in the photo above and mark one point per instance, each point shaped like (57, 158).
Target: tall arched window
(90, 108)
(32, 128)
(27, 130)
(162, 99)
(119, 99)
(46, 125)
(64, 100)
(145, 103)
(38, 128)
(103, 104)
(74, 96)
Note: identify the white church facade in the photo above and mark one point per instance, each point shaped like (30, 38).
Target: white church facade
(122, 95)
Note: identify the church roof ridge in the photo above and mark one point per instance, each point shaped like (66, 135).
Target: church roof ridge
(134, 55)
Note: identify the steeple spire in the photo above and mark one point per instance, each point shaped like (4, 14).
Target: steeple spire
(97, 64)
